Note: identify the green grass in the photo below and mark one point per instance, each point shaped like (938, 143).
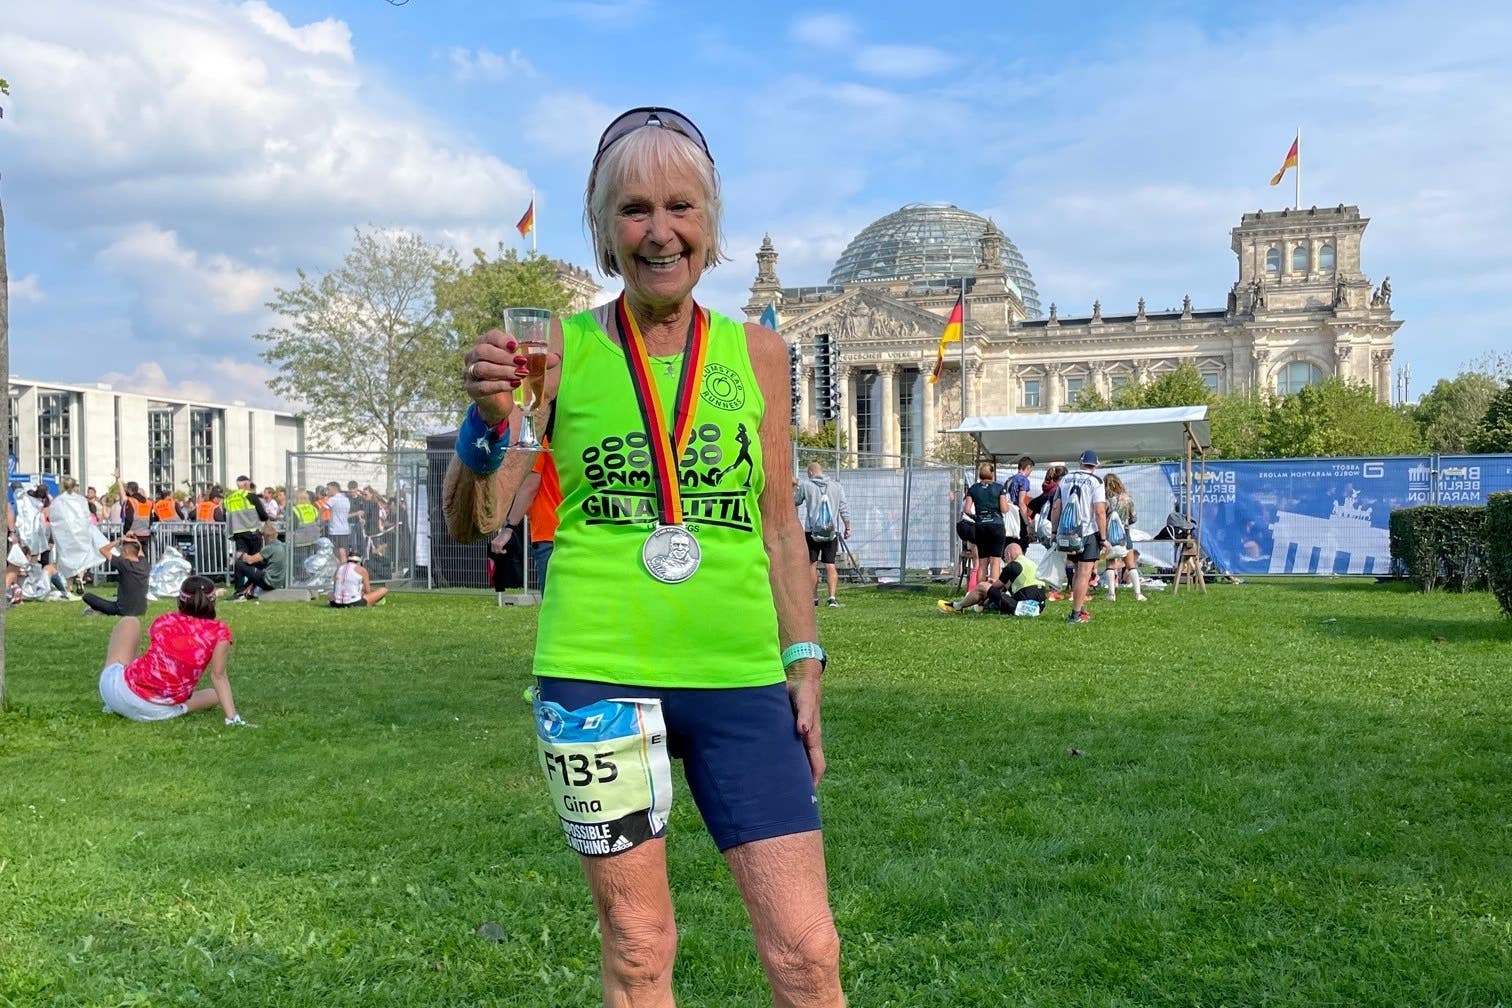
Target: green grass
(1294, 793)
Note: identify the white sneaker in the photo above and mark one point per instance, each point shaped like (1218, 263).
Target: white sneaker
(1139, 598)
(151, 597)
(1111, 597)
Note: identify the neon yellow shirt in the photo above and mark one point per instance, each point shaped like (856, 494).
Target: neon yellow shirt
(603, 617)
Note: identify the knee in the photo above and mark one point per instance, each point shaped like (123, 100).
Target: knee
(805, 963)
(638, 951)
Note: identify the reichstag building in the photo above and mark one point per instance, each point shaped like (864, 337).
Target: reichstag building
(1300, 311)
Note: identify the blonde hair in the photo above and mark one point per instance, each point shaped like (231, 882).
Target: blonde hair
(1113, 484)
(986, 470)
(647, 153)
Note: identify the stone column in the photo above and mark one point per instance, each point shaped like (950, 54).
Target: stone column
(806, 406)
(889, 375)
(1259, 355)
(1382, 361)
(927, 389)
(848, 412)
(1051, 393)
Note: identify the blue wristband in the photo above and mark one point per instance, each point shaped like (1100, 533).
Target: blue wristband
(479, 446)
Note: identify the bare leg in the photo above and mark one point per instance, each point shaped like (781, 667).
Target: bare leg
(203, 700)
(637, 934)
(834, 578)
(783, 883)
(372, 597)
(124, 639)
(1081, 585)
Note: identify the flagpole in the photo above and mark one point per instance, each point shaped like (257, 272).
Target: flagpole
(533, 227)
(963, 350)
(1299, 169)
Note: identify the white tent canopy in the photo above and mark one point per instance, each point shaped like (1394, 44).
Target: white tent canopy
(1115, 435)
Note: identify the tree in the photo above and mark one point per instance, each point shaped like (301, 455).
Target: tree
(472, 300)
(1237, 422)
(1495, 434)
(1182, 387)
(364, 348)
(1450, 414)
(1335, 418)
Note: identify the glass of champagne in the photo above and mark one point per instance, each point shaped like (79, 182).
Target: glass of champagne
(531, 330)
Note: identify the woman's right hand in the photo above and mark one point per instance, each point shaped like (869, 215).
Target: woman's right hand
(491, 370)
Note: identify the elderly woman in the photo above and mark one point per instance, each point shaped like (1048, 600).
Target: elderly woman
(707, 653)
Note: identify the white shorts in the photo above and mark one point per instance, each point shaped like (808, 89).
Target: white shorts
(119, 699)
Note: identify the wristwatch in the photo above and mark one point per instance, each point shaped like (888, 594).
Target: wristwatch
(801, 650)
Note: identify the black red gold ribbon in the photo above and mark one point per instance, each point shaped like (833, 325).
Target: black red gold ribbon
(667, 443)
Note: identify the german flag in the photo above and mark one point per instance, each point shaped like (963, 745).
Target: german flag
(527, 222)
(952, 334)
(1290, 162)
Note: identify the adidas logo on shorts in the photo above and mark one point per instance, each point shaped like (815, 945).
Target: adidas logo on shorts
(622, 844)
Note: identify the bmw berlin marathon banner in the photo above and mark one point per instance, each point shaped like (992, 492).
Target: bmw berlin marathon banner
(1325, 516)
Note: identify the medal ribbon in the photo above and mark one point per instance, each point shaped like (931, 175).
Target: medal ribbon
(667, 444)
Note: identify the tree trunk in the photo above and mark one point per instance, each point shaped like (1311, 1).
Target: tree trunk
(4, 415)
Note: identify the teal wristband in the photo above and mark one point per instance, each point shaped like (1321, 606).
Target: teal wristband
(794, 653)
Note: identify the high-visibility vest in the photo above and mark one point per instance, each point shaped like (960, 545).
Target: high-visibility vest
(141, 512)
(205, 511)
(241, 516)
(163, 509)
(306, 525)
(325, 509)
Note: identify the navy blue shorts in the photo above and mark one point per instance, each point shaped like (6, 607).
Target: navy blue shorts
(745, 764)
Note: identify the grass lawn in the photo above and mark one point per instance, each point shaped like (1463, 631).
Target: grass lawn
(1290, 793)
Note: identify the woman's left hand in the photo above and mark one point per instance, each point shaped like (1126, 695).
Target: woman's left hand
(803, 691)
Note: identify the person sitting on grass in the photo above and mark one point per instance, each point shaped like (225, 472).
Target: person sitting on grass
(350, 588)
(132, 569)
(1018, 582)
(159, 684)
(264, 570)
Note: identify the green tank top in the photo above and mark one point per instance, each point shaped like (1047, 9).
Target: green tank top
(603, 618)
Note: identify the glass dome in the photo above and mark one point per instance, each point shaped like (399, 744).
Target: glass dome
(929, 241)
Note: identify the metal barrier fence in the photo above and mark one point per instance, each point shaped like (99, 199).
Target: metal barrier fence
(902, 518)
(203, 544)
(386, 515)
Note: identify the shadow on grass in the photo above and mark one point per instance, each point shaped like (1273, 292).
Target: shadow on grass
(1335, 585)
(1409, 628)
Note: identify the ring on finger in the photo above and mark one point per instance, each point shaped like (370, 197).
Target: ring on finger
(472, 371)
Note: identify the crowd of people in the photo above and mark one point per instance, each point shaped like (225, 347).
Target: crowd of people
(1082, 520)
(357, 520)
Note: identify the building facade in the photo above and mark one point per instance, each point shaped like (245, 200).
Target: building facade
(1301, 310)
(86, 431)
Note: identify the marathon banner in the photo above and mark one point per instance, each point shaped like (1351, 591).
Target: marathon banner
(1325, 516)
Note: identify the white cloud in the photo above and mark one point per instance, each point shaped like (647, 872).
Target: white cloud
(27, 290)
(902, 61)
(321, 38)
(197, 114)
(156, 257)
(824, 31)
(487, 66)
(567, 125)
(199, 377)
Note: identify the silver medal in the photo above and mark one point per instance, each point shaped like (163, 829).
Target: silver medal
(670, 554)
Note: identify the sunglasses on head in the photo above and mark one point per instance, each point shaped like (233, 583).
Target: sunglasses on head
(638, 118)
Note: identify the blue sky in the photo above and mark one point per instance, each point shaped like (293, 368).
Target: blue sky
(166, 164)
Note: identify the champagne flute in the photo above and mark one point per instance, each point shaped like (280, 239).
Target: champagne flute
(531, 330)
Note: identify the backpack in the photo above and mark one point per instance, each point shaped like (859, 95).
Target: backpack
(823, 526)
(1117, 534)
(1068, 534)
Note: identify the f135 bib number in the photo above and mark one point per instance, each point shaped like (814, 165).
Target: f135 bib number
(607, 768)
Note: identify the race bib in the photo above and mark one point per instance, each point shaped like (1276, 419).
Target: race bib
(608, 771)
